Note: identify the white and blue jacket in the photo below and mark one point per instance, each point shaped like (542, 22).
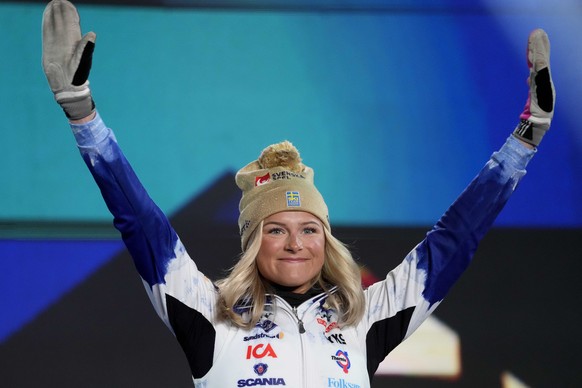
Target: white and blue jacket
(303, 346)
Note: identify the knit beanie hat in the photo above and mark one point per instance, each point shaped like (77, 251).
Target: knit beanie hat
(277, 181)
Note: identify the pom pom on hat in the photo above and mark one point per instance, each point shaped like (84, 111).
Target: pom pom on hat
(277, 181)
(282, 154)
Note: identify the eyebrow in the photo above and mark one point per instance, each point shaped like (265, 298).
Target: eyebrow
(284, 224)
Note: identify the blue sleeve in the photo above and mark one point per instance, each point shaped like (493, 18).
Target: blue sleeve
(397, 305)
(145, 229)
(412, 290)
(449, 247)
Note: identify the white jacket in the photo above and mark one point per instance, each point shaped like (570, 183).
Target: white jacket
(302, 347)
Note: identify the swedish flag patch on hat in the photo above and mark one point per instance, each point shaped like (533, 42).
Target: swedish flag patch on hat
(293, 199)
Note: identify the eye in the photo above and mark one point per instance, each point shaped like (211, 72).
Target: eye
(275, 230)
(310, 230)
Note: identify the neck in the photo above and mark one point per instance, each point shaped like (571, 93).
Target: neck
(292, 297)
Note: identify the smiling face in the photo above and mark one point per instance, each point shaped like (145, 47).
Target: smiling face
(292, 249)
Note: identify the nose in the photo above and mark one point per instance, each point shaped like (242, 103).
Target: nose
(294, 243)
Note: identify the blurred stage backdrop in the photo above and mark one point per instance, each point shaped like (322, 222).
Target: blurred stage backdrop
(396, 104)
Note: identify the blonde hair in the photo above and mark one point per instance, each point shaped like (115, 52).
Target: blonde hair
(245, 286)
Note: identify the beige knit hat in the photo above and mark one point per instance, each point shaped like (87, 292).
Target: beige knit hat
(277, 182)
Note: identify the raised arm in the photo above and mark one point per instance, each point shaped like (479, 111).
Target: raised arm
(415, 288)
(158, 254)
(66, 60)
(449, 247)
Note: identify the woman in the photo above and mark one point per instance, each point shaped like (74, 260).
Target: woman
(292, 311)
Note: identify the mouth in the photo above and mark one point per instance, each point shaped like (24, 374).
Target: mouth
(293, 259)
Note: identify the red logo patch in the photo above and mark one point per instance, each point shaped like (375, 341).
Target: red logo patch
(260, 351)
(262, 180)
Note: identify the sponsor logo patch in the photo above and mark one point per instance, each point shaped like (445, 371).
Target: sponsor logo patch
(336, 338)
(293, 199)
(260, 351)
(263, 335)
(245, 226)
(286, 175)
(524, 129)
(262, 180)
(329, 326)
(340, 383)
(260, 368)
(266, 324)
(260, 381)
(342, 359)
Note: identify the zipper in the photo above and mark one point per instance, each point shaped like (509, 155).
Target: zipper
(301, 331)
(299, 321)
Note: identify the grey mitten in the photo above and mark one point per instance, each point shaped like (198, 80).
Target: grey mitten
(539, 108)
(67, 57)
